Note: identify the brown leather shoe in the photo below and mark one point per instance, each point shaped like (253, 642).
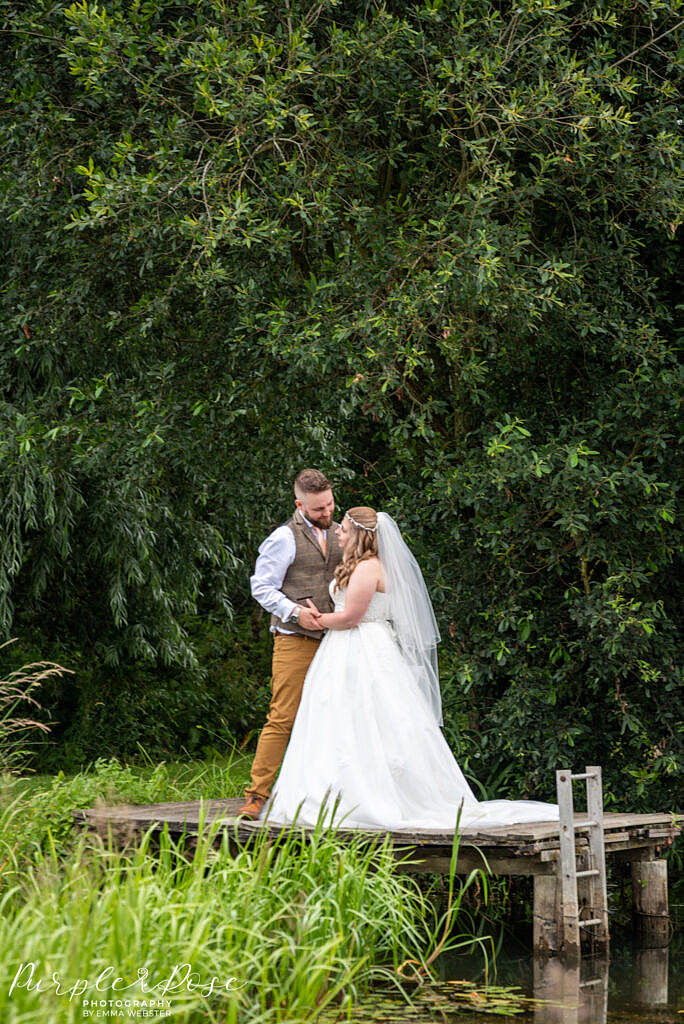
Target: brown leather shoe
(252, 807)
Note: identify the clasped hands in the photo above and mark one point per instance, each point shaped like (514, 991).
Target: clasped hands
(310, 618)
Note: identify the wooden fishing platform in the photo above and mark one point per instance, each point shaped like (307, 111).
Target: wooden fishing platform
(530, 849)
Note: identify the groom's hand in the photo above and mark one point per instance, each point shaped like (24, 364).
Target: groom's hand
(308, 617)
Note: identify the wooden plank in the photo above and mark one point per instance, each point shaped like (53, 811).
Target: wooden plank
(610, 838)
(162, 812)
(425, 862)
(633, 852)
(620, 850)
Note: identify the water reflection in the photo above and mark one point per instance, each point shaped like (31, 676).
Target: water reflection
(649, 977)
(575, 995)
(638, 992)
(631, 987)
(579, 994)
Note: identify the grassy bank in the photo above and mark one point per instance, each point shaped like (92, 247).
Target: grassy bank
(297, 930)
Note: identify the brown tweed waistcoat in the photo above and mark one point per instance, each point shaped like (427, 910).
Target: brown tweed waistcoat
(310, 573)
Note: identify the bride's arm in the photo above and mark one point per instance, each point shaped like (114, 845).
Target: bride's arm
(363, 583)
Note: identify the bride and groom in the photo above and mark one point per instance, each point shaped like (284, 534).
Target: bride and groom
(355, 713)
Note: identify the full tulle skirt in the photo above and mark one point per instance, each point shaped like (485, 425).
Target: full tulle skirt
(366, 752)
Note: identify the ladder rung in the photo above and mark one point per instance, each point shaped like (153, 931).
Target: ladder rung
(584, 775)
(586, 874)
(584, 824)
(591, 921)
(594, 981)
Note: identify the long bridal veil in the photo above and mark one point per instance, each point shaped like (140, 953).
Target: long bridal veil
(410, 610)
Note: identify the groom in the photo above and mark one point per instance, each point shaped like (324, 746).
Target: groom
(296, 562)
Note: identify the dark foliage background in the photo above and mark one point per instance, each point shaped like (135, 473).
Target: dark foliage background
(428, 247)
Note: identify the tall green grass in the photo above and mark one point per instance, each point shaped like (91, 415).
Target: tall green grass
(35, 811)
(301, 927)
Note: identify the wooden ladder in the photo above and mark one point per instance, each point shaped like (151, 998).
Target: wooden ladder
(570, 922)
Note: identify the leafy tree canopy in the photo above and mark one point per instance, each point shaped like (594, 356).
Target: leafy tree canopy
(429, 247)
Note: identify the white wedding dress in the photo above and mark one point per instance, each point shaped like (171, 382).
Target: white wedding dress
(365, 733)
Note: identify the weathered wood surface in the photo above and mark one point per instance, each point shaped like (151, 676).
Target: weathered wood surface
(537, 840)
(531, 849)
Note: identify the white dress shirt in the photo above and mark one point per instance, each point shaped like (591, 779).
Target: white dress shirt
(276, 555)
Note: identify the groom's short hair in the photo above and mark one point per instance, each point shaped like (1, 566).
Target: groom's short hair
(311, 481)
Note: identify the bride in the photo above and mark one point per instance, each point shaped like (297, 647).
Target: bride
(366, 750)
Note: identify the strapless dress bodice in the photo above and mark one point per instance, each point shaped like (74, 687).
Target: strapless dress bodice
(376, 611)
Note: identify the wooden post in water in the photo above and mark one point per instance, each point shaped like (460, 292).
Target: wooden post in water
(649, 903)
(546, 914)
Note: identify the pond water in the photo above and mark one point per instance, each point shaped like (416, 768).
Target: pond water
(633, 987)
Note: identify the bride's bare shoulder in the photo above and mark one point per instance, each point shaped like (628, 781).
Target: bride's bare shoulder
(380, 573)
(369, 572)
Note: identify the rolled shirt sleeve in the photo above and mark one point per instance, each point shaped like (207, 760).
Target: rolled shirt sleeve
(276, 555)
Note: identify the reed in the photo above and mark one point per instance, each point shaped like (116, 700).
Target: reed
(304, 928)
(15, 691)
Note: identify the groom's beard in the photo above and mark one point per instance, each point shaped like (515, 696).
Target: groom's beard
(323, 523)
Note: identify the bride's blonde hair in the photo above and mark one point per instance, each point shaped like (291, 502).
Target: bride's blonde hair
(362, 543)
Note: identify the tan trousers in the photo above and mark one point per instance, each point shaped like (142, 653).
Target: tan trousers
(292, 656)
